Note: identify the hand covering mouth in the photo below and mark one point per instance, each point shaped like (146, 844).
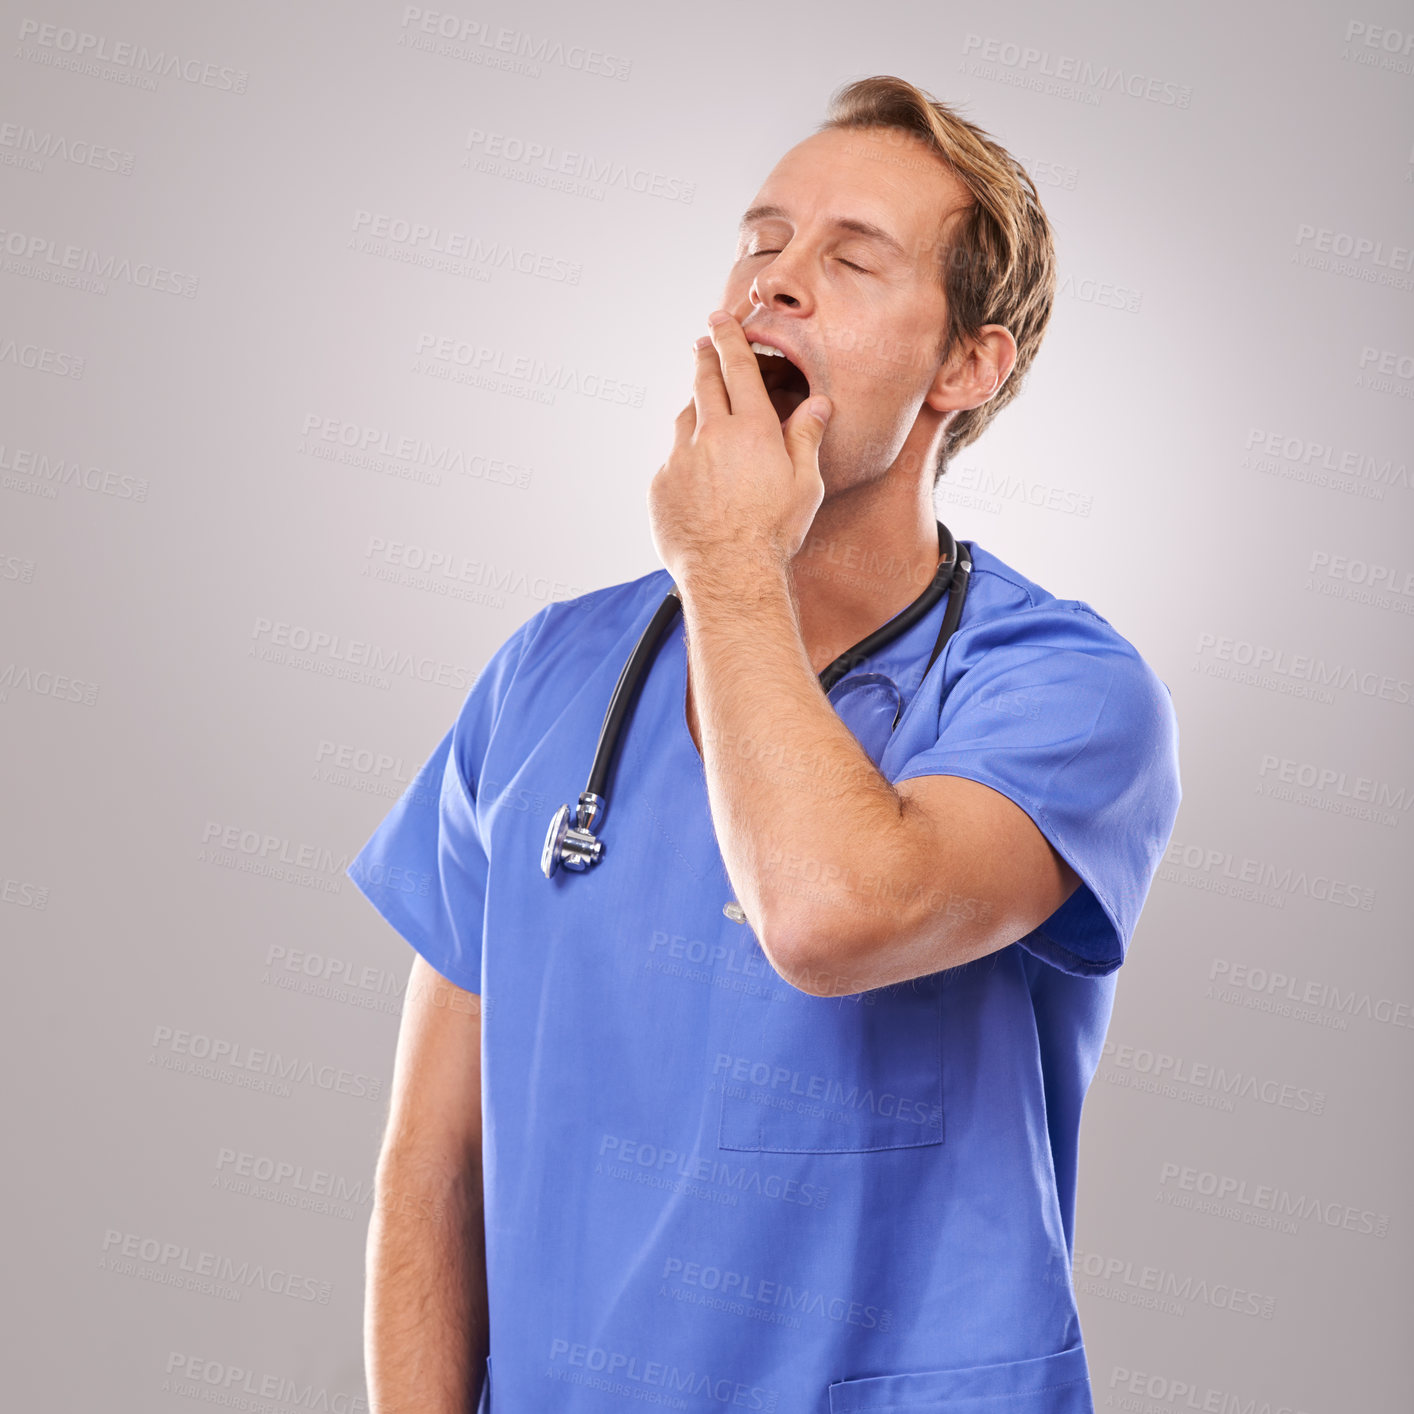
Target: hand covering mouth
(786, 383)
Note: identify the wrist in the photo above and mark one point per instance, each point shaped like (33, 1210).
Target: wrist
(750, 570)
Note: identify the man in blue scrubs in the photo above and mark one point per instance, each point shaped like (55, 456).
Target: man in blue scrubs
(777, 1106)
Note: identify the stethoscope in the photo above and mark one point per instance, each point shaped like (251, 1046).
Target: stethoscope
(575, 846)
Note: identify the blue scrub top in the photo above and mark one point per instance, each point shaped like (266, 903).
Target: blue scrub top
(705, 1189)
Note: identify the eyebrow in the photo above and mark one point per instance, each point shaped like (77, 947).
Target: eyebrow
(866, 229)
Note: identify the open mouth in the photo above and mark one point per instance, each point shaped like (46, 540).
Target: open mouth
(787, 386)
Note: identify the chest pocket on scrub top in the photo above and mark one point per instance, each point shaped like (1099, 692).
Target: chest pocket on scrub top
(807, 1074)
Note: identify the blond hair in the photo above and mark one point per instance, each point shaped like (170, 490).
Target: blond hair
(997, 262)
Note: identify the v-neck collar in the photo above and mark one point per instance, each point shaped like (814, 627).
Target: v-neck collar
(914, 643)
(689, 817)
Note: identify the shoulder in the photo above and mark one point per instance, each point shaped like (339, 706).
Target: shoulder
(565, 631)
(590, 624)
(1021, 648)
(1007, 609)
(1049, 704)
(546, 659)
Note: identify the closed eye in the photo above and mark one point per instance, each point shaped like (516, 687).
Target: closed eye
(842, 261)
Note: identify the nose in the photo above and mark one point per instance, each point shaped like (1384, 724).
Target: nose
(769, 287)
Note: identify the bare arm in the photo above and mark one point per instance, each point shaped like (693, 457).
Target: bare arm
(426, 1330)
(849, 882)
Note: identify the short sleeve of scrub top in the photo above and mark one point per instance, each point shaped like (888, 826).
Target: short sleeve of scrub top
(425, 866)
(1051, 707)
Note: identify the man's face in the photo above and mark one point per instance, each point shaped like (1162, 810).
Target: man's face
(859, 314)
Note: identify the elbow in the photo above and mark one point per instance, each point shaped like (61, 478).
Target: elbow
(789, 937)
(829, 938)
(786, 958)
(817, 963)
(862, 951)
(828, 945)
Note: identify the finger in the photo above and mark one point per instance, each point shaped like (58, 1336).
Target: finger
(739, 369)
(709, 392)
(685, 424)
(804, 430)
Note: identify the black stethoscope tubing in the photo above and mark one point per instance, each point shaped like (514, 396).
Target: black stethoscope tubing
(952, 577)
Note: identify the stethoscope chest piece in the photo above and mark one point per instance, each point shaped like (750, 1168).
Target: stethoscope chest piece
(574, 846)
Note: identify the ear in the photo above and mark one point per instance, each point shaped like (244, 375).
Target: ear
(975, 371)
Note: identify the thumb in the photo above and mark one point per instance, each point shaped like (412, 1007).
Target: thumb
(806, 425)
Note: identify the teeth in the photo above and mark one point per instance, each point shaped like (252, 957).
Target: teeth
(766, 349)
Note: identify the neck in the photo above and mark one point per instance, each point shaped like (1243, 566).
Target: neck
(869, 553)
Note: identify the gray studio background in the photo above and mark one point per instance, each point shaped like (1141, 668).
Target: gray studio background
(333, 347)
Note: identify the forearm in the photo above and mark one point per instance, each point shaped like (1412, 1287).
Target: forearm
(804, 819)
(426, 1331)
